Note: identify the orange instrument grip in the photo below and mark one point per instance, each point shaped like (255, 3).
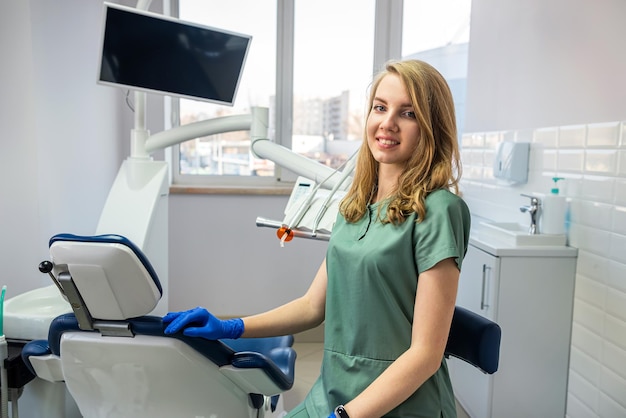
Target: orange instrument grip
(282, 231)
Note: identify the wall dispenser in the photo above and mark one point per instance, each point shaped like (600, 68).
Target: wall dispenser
(511, 162)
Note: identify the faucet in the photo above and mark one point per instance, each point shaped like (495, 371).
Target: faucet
(534, 209)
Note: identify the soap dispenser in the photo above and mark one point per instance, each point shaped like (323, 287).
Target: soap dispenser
(554, 207)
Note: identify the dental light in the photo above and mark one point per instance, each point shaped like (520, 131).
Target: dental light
(262, 147)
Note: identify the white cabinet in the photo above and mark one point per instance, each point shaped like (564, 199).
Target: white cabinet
(529, 292)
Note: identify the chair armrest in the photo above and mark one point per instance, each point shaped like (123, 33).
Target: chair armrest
(475, 340)
(32, 349)
(259, 374)
(41, 362)
(262, 345)
(279, 365)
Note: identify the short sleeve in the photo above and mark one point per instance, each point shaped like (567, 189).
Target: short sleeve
(444, 233)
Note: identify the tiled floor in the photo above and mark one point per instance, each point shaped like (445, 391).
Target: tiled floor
(308, 369)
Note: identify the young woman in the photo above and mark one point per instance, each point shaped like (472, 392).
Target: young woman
(387, 287)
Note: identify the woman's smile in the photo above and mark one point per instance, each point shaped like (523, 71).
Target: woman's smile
(392, 128)
(387, 142)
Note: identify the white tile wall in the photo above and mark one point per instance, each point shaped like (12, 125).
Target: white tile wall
(592, 159)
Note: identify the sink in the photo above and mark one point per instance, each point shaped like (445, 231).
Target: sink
(516, 234)
(27, 316)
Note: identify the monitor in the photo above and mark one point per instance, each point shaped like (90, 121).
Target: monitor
(149, 52)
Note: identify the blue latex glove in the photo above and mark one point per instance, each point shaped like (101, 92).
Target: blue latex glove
(199, 322)
(332, 415)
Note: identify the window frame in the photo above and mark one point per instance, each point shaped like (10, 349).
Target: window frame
(387, 45)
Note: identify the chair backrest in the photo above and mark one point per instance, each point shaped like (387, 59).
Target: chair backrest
(475, 340)
(104, 277)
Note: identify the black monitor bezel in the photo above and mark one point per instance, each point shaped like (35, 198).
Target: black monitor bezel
(168, 92)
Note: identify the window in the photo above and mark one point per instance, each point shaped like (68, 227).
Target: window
(332, 70)
(311, 66)
(226, 157)
(438, 32)
(321, 104)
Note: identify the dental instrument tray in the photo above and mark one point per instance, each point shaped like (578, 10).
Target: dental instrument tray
(310, 211)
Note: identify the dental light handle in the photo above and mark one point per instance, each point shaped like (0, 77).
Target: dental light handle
(349, 167)
(302, 209)
(324, 208)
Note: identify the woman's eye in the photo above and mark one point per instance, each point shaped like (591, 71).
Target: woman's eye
(379, 108)
(409, 114)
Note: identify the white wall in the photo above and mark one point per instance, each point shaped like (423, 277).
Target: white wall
(60, 132)
(18, 150)
(220, 259)
(545, 63)
(553, 74)
(63, 136)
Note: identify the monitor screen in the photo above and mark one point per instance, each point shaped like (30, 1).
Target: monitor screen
(154, 53)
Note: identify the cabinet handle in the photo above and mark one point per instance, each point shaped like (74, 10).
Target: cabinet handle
(484, 305)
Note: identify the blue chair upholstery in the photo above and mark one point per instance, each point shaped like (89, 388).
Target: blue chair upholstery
(475, 340)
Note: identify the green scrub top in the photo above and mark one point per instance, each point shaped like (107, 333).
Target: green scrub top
(373, 271)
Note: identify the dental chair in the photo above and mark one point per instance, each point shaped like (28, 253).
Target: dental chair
(117, 362)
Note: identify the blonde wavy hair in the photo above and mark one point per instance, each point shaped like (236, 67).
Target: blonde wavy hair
(435, 163)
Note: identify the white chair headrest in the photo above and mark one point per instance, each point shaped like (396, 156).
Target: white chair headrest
(114, 278)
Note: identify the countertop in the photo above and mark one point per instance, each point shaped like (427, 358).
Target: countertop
(480, 239)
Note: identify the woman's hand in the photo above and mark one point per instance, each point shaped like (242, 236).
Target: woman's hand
(199, 322)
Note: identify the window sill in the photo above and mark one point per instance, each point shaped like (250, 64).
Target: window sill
(232, 190)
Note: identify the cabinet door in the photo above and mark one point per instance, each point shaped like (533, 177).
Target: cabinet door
(472, 388)
(478, 285)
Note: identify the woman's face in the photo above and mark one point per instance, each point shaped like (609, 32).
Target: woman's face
(392, 129)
